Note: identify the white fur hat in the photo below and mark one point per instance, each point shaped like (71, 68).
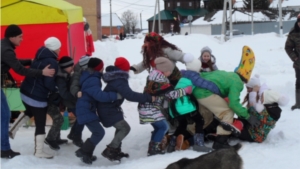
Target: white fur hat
(254, 81)
(52, 43)
(271, 96)
(195, 65)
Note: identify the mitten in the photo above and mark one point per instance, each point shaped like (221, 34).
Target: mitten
(188, 90)
(253, 121)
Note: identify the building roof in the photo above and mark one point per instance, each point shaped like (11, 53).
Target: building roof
(193, 12)
(164, 15)
(105, 20)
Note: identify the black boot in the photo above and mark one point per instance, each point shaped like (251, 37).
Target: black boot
(60, 141)
(297, 97)
(76, 139)
(221, 142)
(199, 143)
(172, 144)
(120, 153)
(111, 153)
(52, 144)
(9, 154)
(155, 148)
(86, 152)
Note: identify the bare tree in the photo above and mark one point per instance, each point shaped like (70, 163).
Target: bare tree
(129, 20)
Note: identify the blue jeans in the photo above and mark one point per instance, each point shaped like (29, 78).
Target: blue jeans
(5, 118)
(97, 131)
(160, 129)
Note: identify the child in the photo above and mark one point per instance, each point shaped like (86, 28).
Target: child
(76, 130)
(111, 114)
(62, 81)
(264, 104)
(90, 82)
(208, 60)
(159, 85)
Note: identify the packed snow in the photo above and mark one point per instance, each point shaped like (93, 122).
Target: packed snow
(280, 150)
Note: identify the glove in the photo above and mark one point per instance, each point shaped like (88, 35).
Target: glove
(253, 121)
(132, 68)
(188, 90)
(119, 96)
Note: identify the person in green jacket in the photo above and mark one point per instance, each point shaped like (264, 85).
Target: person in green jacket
(230, 85)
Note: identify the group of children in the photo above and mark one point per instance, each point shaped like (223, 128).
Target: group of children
(160, 102)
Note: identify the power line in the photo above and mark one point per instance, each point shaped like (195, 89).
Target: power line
(134, 4)
(134, 7)
(128, 5)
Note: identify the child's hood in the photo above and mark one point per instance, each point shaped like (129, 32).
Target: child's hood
(113, 73)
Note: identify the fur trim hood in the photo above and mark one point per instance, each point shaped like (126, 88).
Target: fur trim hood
(113, 73)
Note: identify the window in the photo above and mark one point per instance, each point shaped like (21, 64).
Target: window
(190, 3)
(168, 4)
(178, 3)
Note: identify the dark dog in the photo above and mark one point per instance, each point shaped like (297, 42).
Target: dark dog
(219, 159)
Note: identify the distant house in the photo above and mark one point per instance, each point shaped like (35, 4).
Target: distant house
(117, 25)
(175, 13)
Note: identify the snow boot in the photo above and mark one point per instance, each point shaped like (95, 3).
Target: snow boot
(164, 142)
(60, 141)
(231, 127)
(172, 144)
(221, 142)
(155, 148)
(52, 144)
(179, 142)
(199, 143)
(39, 145)
(120, 153)
(76, 139)
(297, 97)
(111, 154)
(21, 120)
(86, 152)
(9, 154)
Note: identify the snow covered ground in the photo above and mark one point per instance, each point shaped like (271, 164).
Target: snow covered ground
(280, 150)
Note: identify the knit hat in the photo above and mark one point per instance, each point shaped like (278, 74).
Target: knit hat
(206, 49)
(12, 31)
(96, 64)
(83, 61)
(254, 81)
(164, 64)
(122, 63)
(246, 64)
(195, 65)
(271, 96)
(65, 62)
(52, 43)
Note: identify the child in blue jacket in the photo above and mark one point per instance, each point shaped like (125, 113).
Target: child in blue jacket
(90, 82)
(111, 113)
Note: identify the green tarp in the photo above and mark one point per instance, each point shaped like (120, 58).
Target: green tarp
(14, 99)
(164, 15)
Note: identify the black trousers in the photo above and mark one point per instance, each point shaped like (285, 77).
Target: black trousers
(39, 115)
(297, 73)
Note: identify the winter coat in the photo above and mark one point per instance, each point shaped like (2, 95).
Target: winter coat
(38, 88)
(159, 86)
(63, 80)
(205, 67)
(268, 118)
(9, 60)
(90, 82)
(173, 55)
(75, 78)
(117, 81)
(229, 84)
(292, 44)
(185, 104)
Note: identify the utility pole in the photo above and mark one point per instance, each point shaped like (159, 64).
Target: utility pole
(230, 16)
(154, 18)
(223, 22)
(110, 30)
(141, 20)
(252, 29)
(159, 24)
(280, 19)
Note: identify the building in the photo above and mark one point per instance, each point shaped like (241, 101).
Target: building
(175, 14)
(91, 11)
(117, 25)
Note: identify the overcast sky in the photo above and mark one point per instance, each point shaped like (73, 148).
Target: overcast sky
(144, 7)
